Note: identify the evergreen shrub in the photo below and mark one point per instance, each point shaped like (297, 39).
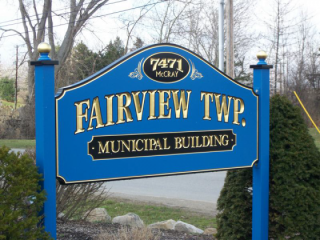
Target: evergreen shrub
(20, 197)
(294, 205)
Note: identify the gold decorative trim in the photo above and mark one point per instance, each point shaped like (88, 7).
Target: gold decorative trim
(194, 72)
(137, 72)
(83, 83)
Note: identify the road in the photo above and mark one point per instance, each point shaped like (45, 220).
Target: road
(195, 192)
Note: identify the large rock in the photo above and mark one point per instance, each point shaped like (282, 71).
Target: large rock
(130, 219)
(98, 215)
(167, 225)
(187, 228)
(210, 231)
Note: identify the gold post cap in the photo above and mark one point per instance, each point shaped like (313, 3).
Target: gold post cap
(44, 48)
(262, 55)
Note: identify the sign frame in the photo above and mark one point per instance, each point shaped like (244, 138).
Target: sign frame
(46, 148)
(191, 70)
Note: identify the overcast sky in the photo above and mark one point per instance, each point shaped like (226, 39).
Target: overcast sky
(108, 27)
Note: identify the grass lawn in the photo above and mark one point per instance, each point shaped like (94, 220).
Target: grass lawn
(316, 135)
(11, 104)
(151, 214)
(18, 143)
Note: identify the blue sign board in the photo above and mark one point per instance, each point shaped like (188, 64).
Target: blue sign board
(161, 110)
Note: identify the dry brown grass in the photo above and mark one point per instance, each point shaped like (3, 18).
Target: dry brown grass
(126, 233)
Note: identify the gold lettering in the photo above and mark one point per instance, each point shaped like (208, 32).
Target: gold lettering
(159, 74)
(192, 142)
(204, 138)
(184, 144)
(222, 108)
(206, 96)
(105, 148)
(133, 144)
(178, 144)
(179, 68)
(139, 107)
(166, 144)
(126, 145)
(152, 105)
(217, 140)
(112, 147)
(124, 107)
(225, 142)
(236, 110)
(211, 141)
(139, 149)
(80, 115)
(156, 60)
(164, 103)
(109, 110)
(181, 103)
(152, 142)
(173, 61)
(97, 114)
(158, 145)
(197, 142)
(146, 144)
(163, 63)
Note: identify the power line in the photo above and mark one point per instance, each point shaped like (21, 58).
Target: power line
(63, 13)
(33, 15)
(18, 34)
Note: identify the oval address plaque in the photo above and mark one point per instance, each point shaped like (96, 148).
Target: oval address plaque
(166, 67)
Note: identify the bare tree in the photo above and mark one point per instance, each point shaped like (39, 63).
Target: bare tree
(130, 22)
(165, 18)
(281, 29)
(36, 30)
(202, 29)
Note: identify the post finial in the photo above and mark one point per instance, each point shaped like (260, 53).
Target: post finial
(44, 59)
(262, 55)
(44, 48)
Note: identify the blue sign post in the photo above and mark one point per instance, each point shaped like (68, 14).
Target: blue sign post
(45, 133)
(260, 198)
(162, 110)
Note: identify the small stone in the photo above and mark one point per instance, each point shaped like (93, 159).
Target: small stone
(98, 215)
(187, 228)
(210, 231)
(61, 215)
(130, 219)
(167, 225)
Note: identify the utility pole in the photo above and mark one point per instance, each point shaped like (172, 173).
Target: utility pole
(230, 50)
(16, 82)
(221, 36)
(281, 77)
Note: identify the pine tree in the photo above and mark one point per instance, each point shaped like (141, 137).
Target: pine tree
(294, 211)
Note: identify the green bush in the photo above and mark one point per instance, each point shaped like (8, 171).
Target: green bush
(76, 200)
(294, 211)
(7, 90)
(20, 197)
